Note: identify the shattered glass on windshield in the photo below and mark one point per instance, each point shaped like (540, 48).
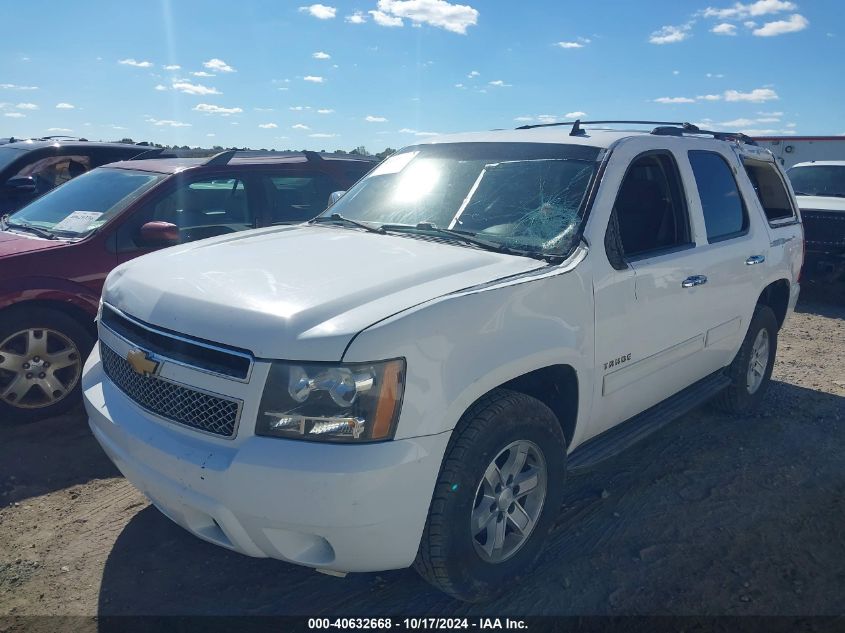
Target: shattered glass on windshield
(524, 196)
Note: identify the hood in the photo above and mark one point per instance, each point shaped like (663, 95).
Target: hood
(15, 244)
(297, 293)
(822, 203)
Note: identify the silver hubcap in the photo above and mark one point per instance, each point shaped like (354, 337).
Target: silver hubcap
(508, 501)
(759, 361)
(38, 367)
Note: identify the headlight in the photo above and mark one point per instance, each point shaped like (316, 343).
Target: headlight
(332, 402)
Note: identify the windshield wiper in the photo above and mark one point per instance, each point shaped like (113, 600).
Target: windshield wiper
(32, 229)
(465, 236)
(336, 217)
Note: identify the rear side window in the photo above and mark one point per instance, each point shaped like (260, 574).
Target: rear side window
(296, 198)
(770, 190)
(724, 211)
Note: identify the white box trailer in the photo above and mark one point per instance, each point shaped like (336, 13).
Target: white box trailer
(790, 150)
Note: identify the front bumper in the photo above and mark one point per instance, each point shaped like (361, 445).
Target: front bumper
(336, 507)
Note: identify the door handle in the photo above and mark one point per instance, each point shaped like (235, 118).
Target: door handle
(694, 280)
(755, 259)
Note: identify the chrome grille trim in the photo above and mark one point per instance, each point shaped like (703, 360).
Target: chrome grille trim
(173, 402)
(158, 332)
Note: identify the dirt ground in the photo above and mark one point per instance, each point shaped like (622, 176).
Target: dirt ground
(714, 515)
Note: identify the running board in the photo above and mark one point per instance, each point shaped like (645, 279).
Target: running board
(627, 433)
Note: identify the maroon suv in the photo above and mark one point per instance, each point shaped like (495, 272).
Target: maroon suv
(55, 252)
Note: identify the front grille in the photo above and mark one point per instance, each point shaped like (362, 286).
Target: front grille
(824, 229)
(183, 405)
(211, 357)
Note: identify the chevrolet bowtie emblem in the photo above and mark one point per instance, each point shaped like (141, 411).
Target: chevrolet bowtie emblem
(140, 361)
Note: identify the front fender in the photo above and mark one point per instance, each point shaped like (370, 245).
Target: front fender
(24, 289)
(463, 345)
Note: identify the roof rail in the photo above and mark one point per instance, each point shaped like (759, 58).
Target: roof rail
(689, 128)
(579, 122)
(664, 128)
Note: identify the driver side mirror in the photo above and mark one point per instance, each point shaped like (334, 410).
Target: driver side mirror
(20, 185)
(159, 235)
(334, 197)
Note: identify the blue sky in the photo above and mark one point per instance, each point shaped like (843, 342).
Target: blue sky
(378, 73)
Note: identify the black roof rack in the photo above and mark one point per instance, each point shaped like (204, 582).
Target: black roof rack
(223, 158)
(664, 128)
(578, 122)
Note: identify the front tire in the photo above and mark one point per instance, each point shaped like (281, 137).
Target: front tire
(41, 356)
(497, 497)
(751, 370)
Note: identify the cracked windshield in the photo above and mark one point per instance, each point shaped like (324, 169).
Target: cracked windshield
(520, 196)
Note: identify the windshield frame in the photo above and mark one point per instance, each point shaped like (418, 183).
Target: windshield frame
(138, 195)
(582, 213)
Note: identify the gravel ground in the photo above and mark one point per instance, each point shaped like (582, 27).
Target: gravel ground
(714, 515)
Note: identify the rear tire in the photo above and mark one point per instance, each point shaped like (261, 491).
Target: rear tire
(751, 370)
(42, 352)
(487, 525)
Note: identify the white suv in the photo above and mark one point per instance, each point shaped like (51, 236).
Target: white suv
(406, 379)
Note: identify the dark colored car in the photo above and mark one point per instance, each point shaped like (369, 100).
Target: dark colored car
(55, 253)
(31, 168)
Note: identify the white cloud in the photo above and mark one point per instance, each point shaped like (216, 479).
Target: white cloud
(753, 9)
(325, 111)
(264, 109)
(194, 89)
(211, 134)
(575, 115)
(406, 130)
(133, 62)
(523, 119)
(167, 122)
(776, 114)
(209, 108)
(709, 97)
(356, 18)
(267, 126)
(738, 123)
(218, 66)
(473, 74)
(724, 28)
(569, 45)
(15, 115)
(758, 95)
(498, 83)
(456, 18)
(314, 79)
(26, 106)
(383, 19)
(17, 87)
(322, 135)
(299, 108)
(202, 73)
(173, 67)
(670, 34)
(792, 24)
(320, 11)
(321, 55)
(676, 72)
(59, 129)
(300, 126)
(714, 75)
(374, 119)
(65, 106)
(460, 86)
(674, 100)
(160, 87)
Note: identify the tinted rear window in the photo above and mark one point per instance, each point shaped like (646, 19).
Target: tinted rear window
(724, 211)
